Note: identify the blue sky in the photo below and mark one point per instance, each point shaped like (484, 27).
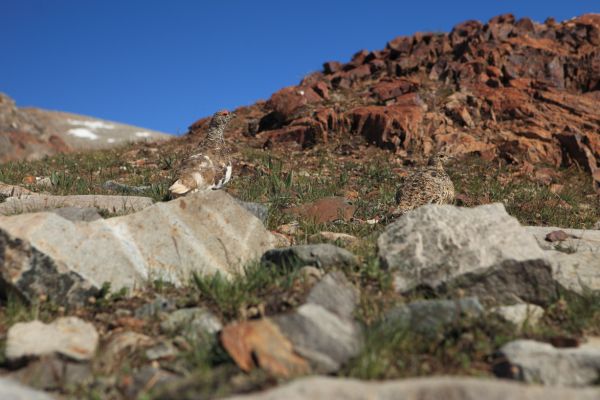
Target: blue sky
(163, 64)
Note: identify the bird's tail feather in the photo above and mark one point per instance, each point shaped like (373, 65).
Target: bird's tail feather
(178, 188)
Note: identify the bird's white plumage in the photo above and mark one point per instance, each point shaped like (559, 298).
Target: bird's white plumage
(211, 168)
(178, 188)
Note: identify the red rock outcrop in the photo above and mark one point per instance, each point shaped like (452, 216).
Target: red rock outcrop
(524, 91)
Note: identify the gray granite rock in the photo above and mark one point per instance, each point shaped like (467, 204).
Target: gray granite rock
(537, 362)
(520, 314)
(579, 240)
(428, 317)
(576, 272)
(203, 233)
(29, 273)
(260, 211)
(335, 294)
(320, 255)
(481, 251)
(69, 336)
(77, 214)
(446, 388)
(192, 323)
(506, 284)
(13, 390)
(323, 330)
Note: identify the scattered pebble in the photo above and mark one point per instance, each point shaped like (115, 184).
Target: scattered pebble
(557, 236)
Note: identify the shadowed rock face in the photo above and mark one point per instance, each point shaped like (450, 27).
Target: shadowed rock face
(30, 273)
(31, 133)
(518, 89)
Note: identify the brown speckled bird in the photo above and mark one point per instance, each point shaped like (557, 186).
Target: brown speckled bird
(427, 185)
(211, 167)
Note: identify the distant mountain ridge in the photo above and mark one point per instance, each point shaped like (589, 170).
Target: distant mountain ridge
(32, 133)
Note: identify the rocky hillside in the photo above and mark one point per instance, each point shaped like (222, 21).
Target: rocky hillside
(294, 281)
(31, 133)
(516, 89)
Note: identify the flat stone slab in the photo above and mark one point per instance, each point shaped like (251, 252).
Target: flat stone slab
(579, 240)
(69, 336)
(37, 202)
(13, 390)
(78, 214)
(446, 388)
(575, 259)
(204, 233)
(538, 362)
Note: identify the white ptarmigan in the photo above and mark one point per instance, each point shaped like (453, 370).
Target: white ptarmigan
(211, 167)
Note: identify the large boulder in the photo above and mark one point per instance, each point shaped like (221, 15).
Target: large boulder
(447, 388)
(482, 251)
(204, 234)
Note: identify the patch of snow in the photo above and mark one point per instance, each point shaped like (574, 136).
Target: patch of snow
(83, 133)
(142, 134)
(110, 140)
(91, 124)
